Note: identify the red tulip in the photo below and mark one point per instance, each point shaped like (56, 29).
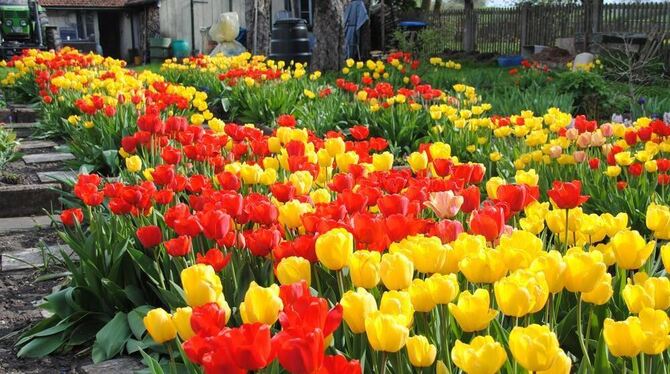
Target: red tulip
(354, 202)
(446, 230)
(359, 132)
(250, 345)
(149, 236)
(163, 174)
(179, 246)
(70, 216)
(567, 195)
(261, 241)
(286, 120)
(301, 354)
(214, 258)
(393, 204)
(338, 364)
(471, 198)
(208, 319)
(215, 224)
(283, 191)
(488, 221)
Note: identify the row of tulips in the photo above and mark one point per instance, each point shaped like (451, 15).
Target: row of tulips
(241, 251)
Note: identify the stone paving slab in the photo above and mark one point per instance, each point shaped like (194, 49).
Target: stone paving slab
(28, 199)
(121, 365)
(36, 144)
(56, 176)
(20, 125)
(39, 158)
(24, 223)
(32, 257)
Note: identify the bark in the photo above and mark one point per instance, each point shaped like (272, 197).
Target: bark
(258, 26)
(329, 33)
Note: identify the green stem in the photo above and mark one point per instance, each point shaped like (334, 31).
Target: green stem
(173, 366)
(445, 334)
(383, 362)
(580, 332)
(398, 362)
(340, 282)
(636, 368)
(567, 230)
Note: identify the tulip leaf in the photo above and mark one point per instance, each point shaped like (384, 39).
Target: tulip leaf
(85, 331)
(154, 366)
(136, 320)
(602, 363)
(111, 339)
(146, 264)
(41, 346)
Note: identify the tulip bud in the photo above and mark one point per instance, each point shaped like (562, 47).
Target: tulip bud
(201, 285)
(534, 347)
(356, 307)
(182, 321)
(334, 248)
(422, 298)
(134, 164)
(483, 355)
(473, 312)
(294, 269)
(364, 268)
(624, 338)
(385, 333)
(421, 353)
(396, 271)
(160, 326)
(261, 304)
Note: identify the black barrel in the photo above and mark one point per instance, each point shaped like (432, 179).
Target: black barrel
(290, 41)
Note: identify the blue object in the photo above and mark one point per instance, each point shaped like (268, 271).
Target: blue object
(412, 24)
(508, 61)
(355, 16)
(180, 48)
(242, 37)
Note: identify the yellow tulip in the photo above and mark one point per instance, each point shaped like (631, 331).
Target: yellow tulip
(399, 304)
(382, 161)
(294, 269)
(472, 311)
(344, 160)
(520, 248)
(521, 292)
(614, 224)
(334, 146)
(364, 268)
(631, 250)
(552, 265)
(601, 293)
(356, 307)
(443, 288)
(656, 327)
(492, 186)
(665, 257)
(302, 181)
(637, 298)
(529, 178)
(182, 321)
(251, 174)
(421, 295)
(658, 220)
(659, 289)
(421, 353)
(385, 333)
(583, 269)
(418, 161)
(134, 164)
(160, 326)
(261, 304)
(201, 285)
(290, 213)
(320, 196)
(534, 347)
(334, 248)
(482, 356)
(483, 266)
(396, 271)
(562, 365)
(624, 338)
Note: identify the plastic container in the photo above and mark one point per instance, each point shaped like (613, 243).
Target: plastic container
(508, 61)
(290, 41)
(180, 48)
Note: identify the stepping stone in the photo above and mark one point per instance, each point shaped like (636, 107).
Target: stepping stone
(29, 199)
(121, 365)
(20, 125)
(56, 176)
(23, 223)
(40, 158)
(36, 144)
(33, 257)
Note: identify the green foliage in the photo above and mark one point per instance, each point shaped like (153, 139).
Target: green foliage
(261, 104)
(8, 147)
(593, 96)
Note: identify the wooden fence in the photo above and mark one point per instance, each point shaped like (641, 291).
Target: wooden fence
(506, 30)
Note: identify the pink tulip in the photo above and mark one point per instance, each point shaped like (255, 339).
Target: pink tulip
(445, 204)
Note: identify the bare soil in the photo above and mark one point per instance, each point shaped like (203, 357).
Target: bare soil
(20, 295)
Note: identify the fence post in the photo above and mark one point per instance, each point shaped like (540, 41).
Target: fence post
(523, 23)
(469, 30)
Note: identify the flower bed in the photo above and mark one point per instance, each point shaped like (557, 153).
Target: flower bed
(432, 235)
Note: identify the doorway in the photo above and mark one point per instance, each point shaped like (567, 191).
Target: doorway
(109, 31)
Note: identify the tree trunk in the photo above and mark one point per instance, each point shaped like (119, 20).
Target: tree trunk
(425, 5)
(258, 26)
(329, 33)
